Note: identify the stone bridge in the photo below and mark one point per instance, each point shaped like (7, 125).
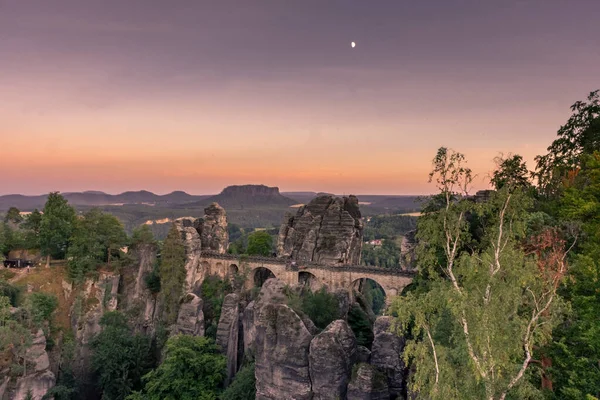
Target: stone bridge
(226, 265)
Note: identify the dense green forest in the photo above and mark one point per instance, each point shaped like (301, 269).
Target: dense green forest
(505, 304)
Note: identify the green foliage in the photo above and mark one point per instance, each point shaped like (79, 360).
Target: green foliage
(321, 306)
(361, 326)
(260, 243)
(575, 350)
(142, 235)
(193, 369)
(172, 274)
(488, 303)
(13, 215)
(41, 306)
(579, 135)
(389, 226)
(56, 226)
(119, 357)
(32, 225)
(152, 281)
(11, 238)
(13, 293)
(213, 291)
(95, 237)
(243, 386)
(386, 256)
(512, 172)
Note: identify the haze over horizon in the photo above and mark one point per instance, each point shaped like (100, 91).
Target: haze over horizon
(199, 95)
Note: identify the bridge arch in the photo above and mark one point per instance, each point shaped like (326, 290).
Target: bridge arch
(375, 294)
(260, 275)
(233, 270)
(309, 280)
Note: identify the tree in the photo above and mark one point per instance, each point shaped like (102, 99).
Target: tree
(580, 135)
(489, 303)
(142, 235)
(13, 216)
(575, 350)
(193, 369)
(95, 237)
(260, 243)
(512, 172)
(243, 386)
(56, 226)
(119, 357)
(31, 225)
(172, 273)
(41, 306)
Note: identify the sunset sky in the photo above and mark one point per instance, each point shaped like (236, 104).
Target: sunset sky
(195, 95)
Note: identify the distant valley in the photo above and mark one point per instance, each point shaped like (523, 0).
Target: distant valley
(248, 206)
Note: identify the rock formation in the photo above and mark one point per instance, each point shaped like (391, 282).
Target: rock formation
(282, 345)
(133, 291)
(213, 230)
(190, 319)
(249, 329)
(98, 297)
(249, 196)
(407, 250)
(41, 379)
(328, 230)
(193, 251)
(368, 384)
(331, 356)
(386, 354)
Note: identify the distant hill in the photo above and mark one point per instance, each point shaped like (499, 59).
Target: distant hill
(249, 196)
(96, 198)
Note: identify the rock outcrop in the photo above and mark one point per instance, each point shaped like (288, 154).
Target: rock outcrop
(368, 384)
(282, 345)
(213, 230)
(249, 329)
(331, 356)
(133, 290)
(408, 250)
(41, 379)
(190, 319)
(98, 297)
(386, 354)
(328, 230)
(187, 227)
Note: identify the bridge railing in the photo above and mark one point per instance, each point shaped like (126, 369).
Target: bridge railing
(300, 266)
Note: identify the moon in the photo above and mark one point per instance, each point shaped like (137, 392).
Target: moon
(353, 44)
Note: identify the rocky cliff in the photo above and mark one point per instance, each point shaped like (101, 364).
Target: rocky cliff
(213, 230)
(328, 230)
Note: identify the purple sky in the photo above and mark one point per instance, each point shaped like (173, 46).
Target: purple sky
(197, 95)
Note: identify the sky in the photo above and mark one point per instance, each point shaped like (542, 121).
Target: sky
(196, 95)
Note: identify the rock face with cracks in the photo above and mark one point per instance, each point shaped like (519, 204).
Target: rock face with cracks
(386, 355)
(328, 231)
(38, 381)
(282, 345)
(213, 230)
(190, 319)
(331, 356)
(368, 384)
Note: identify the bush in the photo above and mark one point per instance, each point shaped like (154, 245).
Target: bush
(41, 306)
(213, 291)
(321, 306)
(12, 292)
(243, 386)
(193, 368)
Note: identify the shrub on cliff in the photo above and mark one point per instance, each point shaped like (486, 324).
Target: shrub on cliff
(243, 386)
(193, 369)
